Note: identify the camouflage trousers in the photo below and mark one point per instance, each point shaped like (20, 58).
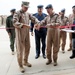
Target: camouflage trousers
(12, 41)
(63, 39)
(52, 44)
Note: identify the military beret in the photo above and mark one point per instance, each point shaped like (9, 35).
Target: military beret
(63, 10)
(49, 6)
(12, 10)
(25, 3)
(40, 6)
(73, 6)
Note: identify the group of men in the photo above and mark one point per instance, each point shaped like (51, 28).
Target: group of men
(45, 25)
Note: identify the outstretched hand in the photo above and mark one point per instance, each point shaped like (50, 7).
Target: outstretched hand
(36, 26)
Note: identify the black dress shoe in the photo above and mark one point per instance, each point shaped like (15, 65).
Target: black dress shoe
(72, 57)
(48, 62)
(37, 56)
(73, 54)
(44, 56)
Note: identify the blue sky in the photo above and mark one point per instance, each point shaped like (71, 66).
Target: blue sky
(7, 5)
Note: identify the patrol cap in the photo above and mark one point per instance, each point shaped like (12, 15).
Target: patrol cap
(49, 6)
(12, 10)
(73, 6)
(25, 3)
(63, 10)
(40, 6)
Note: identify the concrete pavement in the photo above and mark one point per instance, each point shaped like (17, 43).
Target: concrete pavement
(9, 65)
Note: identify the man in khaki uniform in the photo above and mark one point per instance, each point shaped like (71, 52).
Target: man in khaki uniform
(21, 22)
(52, 20)
(64, 21)
(72, 22)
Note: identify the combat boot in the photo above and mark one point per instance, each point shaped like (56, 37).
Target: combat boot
(48, 62)
(22, 69)
(63, 51)
(13, 53)
(73, 54)
(69, 49)
(27, 64)
(55, 63)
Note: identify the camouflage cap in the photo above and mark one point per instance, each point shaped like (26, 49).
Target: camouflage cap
(49, 6)
(25, 3)
(73, 6)
(12, 10)
(40, 6)
(63, 10)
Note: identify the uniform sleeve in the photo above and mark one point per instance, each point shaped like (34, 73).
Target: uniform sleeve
(7, 25)
(43, 22)
(67, 21)
(32, 26)
(33, 19)
(16, 22)
(58, 20)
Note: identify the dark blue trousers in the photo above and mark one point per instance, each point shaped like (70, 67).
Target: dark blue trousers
(40, 37)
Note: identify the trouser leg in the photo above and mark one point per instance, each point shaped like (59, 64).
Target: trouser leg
(43, 40)
(73, 49)
(63, 40)
(49, 45)
(27, 48)
(12, 41)
(70, 46)
(56, 45)
(37, 42)
(19, 48)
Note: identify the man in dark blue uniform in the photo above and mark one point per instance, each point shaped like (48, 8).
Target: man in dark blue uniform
(41, 34)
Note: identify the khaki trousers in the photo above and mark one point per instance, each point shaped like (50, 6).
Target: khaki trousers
(63, 39)
(70, 37)
(52, 42)
(23, 47)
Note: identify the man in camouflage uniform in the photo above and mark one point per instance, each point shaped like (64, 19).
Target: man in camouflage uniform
(21, 23)
(52, 20)
(11, 30)
(72, 22)
(64, 21)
